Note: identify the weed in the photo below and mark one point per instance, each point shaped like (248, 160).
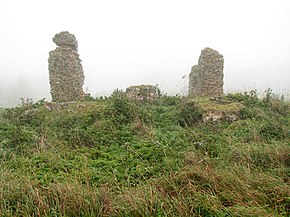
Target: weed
(116, 157)
(189, 114)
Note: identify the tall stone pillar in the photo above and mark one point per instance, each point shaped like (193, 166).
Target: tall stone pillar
(211, 65)
(206, 78)
(66, 76)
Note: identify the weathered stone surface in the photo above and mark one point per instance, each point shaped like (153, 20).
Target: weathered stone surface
(66, 74)
(212, 116)
(219, 109)
(144, 93)
(65, 39)
(193, 81)
(206, 78)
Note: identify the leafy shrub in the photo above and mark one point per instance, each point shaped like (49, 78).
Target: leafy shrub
(88, 98)
(169, 100)
(188, 114)
(19, 138)
(267, 99)
(26, 114)
(246, 113)
(248, 98)
(121, 110)
(275, 104)
(280, 107)
(78, 137)
(271, 131)
(244, 131)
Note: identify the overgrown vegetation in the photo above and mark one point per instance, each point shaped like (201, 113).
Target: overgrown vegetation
(116, 157)
(2, 110)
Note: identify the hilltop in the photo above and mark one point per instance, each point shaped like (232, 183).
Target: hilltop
(174, 156)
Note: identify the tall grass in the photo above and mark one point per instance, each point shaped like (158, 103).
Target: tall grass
(115, 157)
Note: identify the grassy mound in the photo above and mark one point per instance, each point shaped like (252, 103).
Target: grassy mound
(116, 157)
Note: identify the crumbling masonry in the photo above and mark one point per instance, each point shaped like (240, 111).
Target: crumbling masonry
(66, 74)
(143, 93)
(206, 78)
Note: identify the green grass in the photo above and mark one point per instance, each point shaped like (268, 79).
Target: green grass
(208, 104)
(2, 110)
(115, 157)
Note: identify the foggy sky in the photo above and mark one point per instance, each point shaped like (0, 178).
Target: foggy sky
(131, 42)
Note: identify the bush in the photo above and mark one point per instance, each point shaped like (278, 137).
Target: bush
(244, 131)
(169, 100)
(188, 114)
(120, 110)
(271, 131)
(26, 114)
(246, 113)
(19, 138)
(247, 98)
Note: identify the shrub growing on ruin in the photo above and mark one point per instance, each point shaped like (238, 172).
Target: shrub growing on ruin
(188, 114)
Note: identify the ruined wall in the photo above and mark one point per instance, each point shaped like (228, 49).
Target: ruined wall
(193, 81)
(206, 79)
(66, 76)
(144, 93)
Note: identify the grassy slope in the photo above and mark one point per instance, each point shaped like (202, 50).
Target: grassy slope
(115, 158)
(2, 110)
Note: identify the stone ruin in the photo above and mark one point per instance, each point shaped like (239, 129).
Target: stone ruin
(66, 74)
(143, 93)
(206, 78)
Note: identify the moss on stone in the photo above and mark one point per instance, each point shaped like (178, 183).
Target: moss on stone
(207, 104)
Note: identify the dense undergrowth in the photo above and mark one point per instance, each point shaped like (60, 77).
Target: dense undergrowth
(116, 157)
